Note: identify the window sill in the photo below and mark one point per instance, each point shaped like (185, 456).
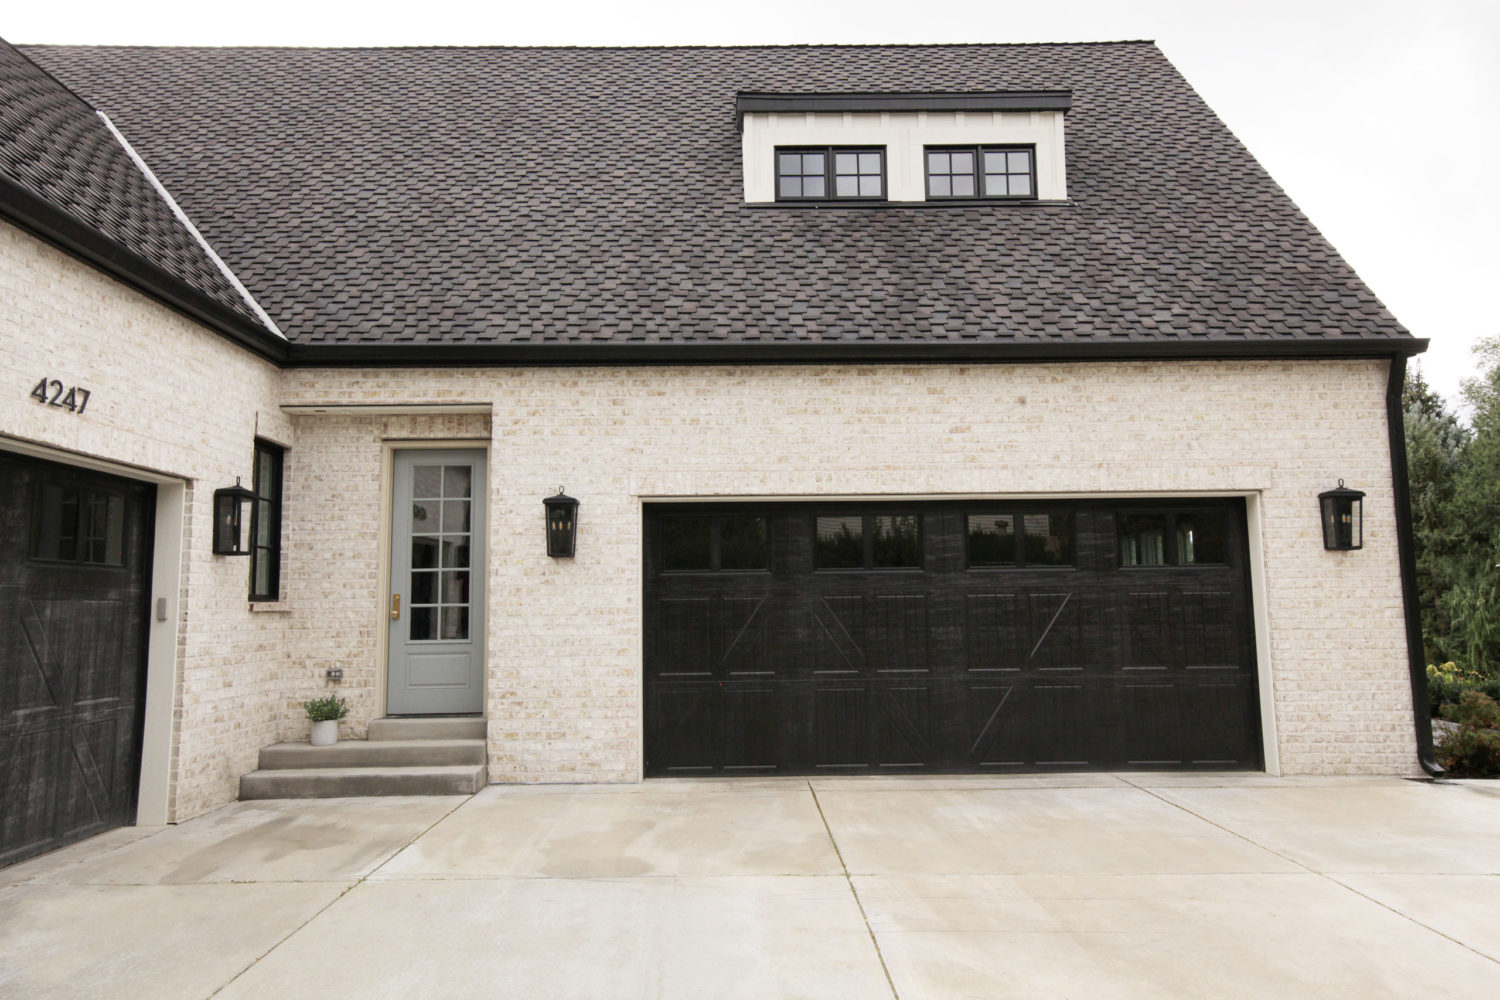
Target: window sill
(274, 607)
(936, 203)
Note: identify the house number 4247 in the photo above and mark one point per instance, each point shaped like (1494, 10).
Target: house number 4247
(65, 397)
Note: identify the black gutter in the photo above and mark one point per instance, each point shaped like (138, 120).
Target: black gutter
(418, 355)
(1406, 545)
(51, 224)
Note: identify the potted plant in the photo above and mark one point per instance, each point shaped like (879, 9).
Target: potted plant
(325, 714)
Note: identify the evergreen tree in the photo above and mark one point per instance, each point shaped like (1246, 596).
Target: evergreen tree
(1454, 476)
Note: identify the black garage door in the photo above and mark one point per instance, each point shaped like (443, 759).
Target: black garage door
(925, 638)
(74, 564)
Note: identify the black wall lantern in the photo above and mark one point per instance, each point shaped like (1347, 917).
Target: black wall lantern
(232, 520)
(1343, 518)
(562, 525)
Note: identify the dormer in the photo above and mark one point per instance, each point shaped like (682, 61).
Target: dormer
(964, 148)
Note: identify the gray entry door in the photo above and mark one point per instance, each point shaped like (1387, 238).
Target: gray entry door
(436, 605)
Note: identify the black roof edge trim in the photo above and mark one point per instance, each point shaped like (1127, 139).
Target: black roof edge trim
(585, 355)
(748, 102)
(1406, 549)
(78, 239)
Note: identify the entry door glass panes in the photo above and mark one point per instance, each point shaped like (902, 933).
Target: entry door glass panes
(441, 522)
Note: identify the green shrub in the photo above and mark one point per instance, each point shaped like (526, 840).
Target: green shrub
(326, 709)
(1446, 684)
(1473, 749)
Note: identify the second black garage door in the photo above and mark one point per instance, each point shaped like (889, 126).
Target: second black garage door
(75, 550)
(910, 638)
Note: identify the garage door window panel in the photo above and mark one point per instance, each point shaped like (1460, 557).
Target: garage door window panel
(77, 526)
(706, 544)
(1172, 538)
(1016, 540)
(868, 541)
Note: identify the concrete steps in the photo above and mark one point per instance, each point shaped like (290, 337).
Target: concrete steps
(427, 756)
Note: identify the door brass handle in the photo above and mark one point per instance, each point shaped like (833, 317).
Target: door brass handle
(395, 606)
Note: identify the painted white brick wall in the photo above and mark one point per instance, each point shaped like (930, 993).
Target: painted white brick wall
(171, 397)
(564, 694)
(564, 680)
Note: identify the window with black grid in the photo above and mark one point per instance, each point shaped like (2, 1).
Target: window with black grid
(830, 172)
(980, 172)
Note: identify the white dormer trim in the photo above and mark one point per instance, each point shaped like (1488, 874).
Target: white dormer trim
(903, 134)
(187, 223)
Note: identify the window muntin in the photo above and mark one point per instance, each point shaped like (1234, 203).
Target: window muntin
(830, 172)
(265, 523)
(980, 172)
(710, 543)
(867, 541)
(1019, 539)
(1173, 538)
(950, 173)
(75, 525)
(441, 528)
(801, 174)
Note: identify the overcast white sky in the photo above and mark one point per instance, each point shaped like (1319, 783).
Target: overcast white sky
(1380, 117)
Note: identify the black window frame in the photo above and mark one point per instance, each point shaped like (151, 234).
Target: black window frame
(1172, 558)
(715, 522)
(979, 188)
(268, 555)
(867, 540)
(829, 174)
(1018, 514)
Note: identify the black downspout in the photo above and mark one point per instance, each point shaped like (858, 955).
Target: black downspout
(1406, 544)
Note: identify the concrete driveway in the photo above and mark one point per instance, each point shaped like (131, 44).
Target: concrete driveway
(1086, 886)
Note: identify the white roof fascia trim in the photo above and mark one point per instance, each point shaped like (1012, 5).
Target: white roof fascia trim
(182, 217)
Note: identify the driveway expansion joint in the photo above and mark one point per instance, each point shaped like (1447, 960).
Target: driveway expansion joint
(1326, 876)
(324, 908)
(874, 941)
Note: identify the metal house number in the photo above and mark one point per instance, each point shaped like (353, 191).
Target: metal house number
(65, 397)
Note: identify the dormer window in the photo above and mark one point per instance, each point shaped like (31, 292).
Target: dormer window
(981, 172)
(890, 149)
(825, 172)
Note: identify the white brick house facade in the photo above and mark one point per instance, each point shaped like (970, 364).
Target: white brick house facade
(940, 287)
(565, 637)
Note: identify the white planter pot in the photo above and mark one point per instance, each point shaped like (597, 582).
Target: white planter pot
(325, 734)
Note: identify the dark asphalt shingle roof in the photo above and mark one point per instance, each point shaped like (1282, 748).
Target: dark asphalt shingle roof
(572, 195)
(55, 147)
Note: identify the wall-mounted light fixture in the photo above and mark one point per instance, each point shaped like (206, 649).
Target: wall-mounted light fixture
(1343, 518)
(562, 525)
(232, 520)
